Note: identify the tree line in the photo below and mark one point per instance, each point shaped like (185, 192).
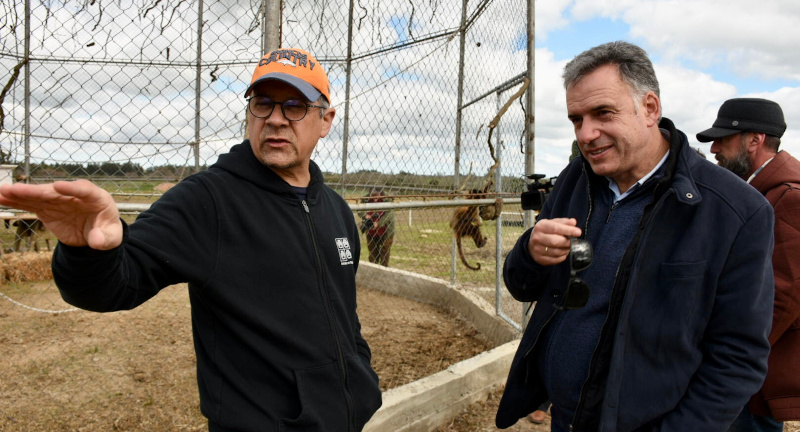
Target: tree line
(108, 169)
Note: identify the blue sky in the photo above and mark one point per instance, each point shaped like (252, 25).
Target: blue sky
(704, 54)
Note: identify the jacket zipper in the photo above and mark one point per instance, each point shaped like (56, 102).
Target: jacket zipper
(331, 321)
(611, 210)
(589, 197)
(634, 263)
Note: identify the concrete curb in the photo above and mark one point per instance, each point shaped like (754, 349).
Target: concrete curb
(430, 402)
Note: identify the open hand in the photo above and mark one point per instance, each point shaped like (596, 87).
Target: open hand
(78, 213)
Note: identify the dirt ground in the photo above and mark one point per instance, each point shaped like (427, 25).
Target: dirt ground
(135, 370)
(479, 417)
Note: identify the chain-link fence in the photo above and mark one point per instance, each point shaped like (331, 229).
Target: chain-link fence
(137, 95)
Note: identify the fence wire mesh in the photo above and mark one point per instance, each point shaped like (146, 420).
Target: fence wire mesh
(137, 95)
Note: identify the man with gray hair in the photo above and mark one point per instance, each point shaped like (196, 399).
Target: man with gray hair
(746, 138)
(650, 268)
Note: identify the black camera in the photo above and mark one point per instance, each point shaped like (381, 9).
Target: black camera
(537, 193)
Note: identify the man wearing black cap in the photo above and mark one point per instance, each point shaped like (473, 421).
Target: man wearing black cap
(269, 252)
(746, 137)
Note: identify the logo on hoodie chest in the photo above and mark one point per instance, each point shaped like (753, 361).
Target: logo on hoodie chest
(345, 255)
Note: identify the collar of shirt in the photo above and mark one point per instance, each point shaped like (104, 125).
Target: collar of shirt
(760, 168)
(615, 188)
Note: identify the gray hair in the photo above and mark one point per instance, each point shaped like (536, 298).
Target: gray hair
(635, 67)
(324, 104)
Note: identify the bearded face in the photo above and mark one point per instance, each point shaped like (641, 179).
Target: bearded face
(736, 160)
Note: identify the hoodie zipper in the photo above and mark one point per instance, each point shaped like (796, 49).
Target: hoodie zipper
(331, 322)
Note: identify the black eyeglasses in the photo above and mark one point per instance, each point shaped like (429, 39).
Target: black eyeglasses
(292, 109)
(580, 258)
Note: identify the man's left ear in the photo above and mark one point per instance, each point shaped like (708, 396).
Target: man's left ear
(755, 141)
(327, 121)
(652, 106)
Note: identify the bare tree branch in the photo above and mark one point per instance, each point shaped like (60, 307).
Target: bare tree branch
(4, 156)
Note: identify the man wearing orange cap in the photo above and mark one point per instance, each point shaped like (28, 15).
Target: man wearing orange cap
(269, 252)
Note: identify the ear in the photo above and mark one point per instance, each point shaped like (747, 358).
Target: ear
(327, 121)
(652, 108)
(755, 141)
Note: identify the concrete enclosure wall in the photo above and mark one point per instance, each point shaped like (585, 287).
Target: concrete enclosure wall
(430, 402)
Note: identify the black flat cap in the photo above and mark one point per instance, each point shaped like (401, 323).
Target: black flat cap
(746, 115)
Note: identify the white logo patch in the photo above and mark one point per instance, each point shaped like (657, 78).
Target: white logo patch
(286, 62)
(345, 255)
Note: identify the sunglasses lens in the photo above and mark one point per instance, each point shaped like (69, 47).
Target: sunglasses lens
(577, 294)
(580, 252)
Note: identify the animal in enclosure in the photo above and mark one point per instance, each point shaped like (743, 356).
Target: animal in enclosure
(28, 231)
(466, 222)
(378, 227)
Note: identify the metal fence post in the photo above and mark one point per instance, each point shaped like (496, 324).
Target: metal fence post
(197, 87)
(456, 172)
(348, 73)
(272, 26)
(530, 150)
(498, 178)
(27, 120)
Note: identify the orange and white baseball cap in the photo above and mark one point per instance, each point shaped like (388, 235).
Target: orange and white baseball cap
(295, 67)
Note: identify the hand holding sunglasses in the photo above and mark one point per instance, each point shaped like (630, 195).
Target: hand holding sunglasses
(550, 240)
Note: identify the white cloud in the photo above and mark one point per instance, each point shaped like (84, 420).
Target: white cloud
(586, 9)
(554, 133)
(549, 17)
(751, 41)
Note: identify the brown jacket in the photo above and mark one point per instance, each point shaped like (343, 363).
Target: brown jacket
(779, 397)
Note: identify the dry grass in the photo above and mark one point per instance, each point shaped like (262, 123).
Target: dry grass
(19, 267)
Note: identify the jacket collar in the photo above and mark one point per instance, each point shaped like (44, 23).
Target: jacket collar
(678, 166)
(682, 159)
(241, 162)
(782, 169)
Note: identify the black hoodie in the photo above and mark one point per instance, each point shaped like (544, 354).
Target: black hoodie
(272, 288)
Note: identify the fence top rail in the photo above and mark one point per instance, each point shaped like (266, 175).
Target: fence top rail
(140, 207)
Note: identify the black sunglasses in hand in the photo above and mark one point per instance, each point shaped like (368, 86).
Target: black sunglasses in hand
(580, 258)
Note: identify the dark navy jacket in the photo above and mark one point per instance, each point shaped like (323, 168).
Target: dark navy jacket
(685, 343)
(272, 288)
